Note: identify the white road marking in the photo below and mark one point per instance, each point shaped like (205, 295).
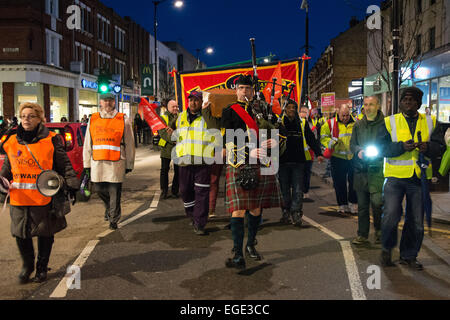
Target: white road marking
(61, 290)
(356, 286)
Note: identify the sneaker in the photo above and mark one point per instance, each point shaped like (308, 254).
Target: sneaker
(212, 214)
(378, 237)
(412, 263)
(354, 208)
(237, 262)
(359, 240)
(343, 209)
(200, 231)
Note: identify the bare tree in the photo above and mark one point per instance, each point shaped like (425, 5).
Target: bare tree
(380, 41)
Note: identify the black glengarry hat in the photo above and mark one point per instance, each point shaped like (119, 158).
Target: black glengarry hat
(245, 80)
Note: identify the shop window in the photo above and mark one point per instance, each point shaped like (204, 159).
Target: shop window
(444, 99)
(27, 92)
(424, 86)
(59, 106)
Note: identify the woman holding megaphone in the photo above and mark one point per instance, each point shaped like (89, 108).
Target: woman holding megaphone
(30, 152)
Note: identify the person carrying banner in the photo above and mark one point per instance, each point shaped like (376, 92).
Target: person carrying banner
(194, 155)
(400, 145)
(247, 190)
(108, 154)
(167, 146)
(335, 136)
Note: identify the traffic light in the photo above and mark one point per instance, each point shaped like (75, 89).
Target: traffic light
(103, 84)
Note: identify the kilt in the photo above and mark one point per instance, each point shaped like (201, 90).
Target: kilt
(266, 195)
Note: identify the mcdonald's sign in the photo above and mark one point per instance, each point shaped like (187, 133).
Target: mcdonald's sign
(147, 80)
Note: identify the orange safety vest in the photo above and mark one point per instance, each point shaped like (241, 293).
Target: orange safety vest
(106, 135)
(25, 170)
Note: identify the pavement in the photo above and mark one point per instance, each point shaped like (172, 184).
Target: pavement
(440, 200)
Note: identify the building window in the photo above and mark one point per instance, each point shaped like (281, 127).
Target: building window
(418, 44)
(103, 26)
(119, 38)
(53, 43)
(52, 8)
(120, 69)
(432, 38)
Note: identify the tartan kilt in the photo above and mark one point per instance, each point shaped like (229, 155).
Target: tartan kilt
(266, 195)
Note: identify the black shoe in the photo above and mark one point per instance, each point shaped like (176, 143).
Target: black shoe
(41, 274)
(164, 195)
(113, 226)
(285, 218)
(386, 259)
(237, 262)
(252, 253)
(412, 263)
(175, 195)
(297, 218)
(45, 248)
(26, 251)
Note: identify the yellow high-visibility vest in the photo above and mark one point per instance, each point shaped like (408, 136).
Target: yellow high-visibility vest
(193, 138)
(162, 142)
(405, 165)
(342, 149)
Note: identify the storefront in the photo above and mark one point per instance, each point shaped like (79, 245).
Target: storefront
(87, 98)
(356, 94)
(432, 76)
(129, 101)
(59, 103)
(27, 92)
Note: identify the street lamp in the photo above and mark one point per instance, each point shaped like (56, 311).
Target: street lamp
(208, 50)
(305, 6)
(177, 4)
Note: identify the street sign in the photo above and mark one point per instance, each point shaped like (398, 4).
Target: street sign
(147, 87)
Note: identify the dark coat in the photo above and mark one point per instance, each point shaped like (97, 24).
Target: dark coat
(368, 174)
(31, 221)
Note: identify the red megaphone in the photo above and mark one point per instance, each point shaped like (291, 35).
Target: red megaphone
(328, 153)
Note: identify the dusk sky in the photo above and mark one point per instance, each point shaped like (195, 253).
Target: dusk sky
(227, 25)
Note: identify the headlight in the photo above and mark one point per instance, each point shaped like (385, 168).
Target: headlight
(371, 152)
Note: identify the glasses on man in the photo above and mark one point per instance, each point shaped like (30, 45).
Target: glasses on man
(30, 116)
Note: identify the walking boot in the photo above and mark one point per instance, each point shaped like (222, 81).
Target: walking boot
(252, 253)
(237, 262)
(285, 218)
(297, 218)
(253, 223)
(386, 258)
(164, 194)
(45, 248)
(26, 251)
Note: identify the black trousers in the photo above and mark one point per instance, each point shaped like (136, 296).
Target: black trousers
(110, 193)
(164, 177)
(342, 173)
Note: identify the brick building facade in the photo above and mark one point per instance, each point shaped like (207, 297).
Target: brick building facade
(343, 60)
(42, 60)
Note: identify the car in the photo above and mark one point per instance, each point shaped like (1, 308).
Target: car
(72, 137)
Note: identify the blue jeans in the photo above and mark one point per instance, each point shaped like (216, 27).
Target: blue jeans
(394, 191)
(291, 185)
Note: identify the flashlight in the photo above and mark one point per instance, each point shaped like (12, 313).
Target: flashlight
(371, 152)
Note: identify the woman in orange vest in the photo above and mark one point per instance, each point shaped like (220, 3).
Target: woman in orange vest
(31, 212)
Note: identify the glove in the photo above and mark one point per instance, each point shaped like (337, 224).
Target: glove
(127, 171)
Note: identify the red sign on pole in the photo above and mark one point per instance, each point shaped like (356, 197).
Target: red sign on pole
(150, 115)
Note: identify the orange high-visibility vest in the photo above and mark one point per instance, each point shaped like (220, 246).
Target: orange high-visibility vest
(106, 135)
(25, 170)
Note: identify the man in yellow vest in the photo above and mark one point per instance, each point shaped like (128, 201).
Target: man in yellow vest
(108, 153)
(335, 134)
(399, 143)
(194, 155)
(166, 146)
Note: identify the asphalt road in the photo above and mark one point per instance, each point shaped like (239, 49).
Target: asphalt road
(157, 256)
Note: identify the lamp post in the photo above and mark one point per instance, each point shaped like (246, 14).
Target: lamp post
(177, 4)
(395, 53)
(208, 50)
(305, 6)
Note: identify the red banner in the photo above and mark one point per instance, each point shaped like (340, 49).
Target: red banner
(224, 79)
(150, 116)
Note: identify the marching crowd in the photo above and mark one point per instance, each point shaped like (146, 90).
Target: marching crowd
(373, 161)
